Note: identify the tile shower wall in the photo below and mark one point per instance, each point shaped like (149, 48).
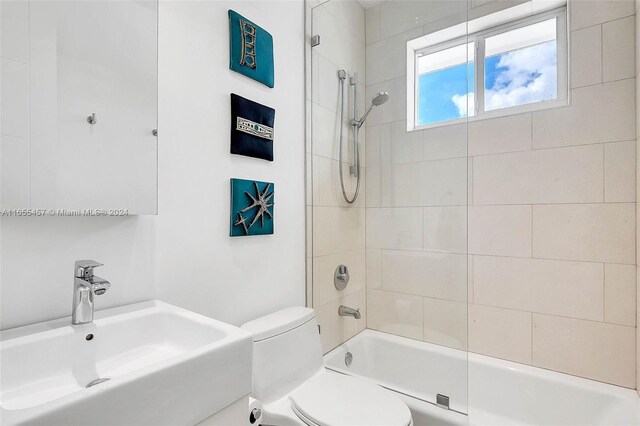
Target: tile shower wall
(551, 219)
(337, 228)
(416, 199)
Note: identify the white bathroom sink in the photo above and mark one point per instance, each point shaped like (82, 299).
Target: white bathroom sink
(165, 365)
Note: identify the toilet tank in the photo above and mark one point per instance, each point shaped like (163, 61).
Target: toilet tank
(286, 351)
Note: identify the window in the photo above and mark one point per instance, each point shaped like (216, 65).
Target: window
(510, 68)
(445, 84)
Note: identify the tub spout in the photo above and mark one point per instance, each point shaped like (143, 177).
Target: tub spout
(345, 311)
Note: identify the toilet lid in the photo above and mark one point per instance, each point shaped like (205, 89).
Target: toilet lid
(332, 399)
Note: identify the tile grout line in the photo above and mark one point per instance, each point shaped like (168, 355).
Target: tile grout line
(604, 292)
(604, 175)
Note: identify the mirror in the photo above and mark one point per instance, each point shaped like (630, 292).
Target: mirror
(90, 142)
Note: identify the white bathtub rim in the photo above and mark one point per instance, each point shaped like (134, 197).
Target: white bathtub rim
(625, 396)
(525, 369)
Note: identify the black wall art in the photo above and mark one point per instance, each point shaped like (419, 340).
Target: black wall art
(251, 128)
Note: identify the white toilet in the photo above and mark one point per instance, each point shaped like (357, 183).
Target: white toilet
(290, 380)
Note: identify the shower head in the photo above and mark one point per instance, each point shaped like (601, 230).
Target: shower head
(380, 98)
(377, 100)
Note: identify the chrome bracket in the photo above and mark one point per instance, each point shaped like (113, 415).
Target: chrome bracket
(442, 401)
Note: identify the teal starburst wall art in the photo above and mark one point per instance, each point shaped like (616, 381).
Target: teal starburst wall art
(251, 207)
(251, 49)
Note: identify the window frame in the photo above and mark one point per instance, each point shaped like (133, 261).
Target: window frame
(478, 38)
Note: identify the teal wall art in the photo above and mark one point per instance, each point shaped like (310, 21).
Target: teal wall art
(251, 49)
(251, 207)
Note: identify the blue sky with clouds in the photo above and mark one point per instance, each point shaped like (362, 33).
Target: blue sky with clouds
(513, 78)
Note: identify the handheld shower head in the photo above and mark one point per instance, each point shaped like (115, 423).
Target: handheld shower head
(377, 100)
(380, 98)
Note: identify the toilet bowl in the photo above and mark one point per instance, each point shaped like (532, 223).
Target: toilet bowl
(295, 389)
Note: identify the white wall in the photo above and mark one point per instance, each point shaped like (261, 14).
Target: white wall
(199, 266)
(184, 255)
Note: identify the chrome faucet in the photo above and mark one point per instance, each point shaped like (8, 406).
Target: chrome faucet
(345, 311)
(85, 286)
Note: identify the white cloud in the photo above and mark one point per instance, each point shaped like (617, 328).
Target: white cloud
(525, 76)
(464, 103)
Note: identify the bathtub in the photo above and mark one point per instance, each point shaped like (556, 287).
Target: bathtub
(481, 390)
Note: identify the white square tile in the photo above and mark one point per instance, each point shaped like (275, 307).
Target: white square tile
(324, 268)
(618, 49)
(497, 135)
(586, 56)
(326, 183)
(385, 143)
(564, 175)
(400, 16)
(325, 132)
(600, 113)
(594, 350)
(430, 183)
(395, 109)
(445, 142)
(395, 313)
(406, 147)
(585, 13)
(620, 172)
(328, 320)
(620, 294)
(588, 232)
(445, 229)
(500, 230)
(394, 228)
(373, 261)
(445, 323)
(372, 146)
(372, 22)
(338, 43)
(328, 86)
(439, 275)
(571, 289)
(349, 15)
(373, 196)
(387, 58)
(337, 229)
(501, 333)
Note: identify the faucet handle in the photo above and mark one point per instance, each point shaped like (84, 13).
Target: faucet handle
(84, 268)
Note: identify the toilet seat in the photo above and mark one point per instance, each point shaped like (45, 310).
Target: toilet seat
(331, 399)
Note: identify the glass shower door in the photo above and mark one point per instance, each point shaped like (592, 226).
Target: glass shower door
(404, 238)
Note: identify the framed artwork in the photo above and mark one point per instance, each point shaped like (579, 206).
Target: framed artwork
(251, 128)
(251, 207)
(251, 49)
